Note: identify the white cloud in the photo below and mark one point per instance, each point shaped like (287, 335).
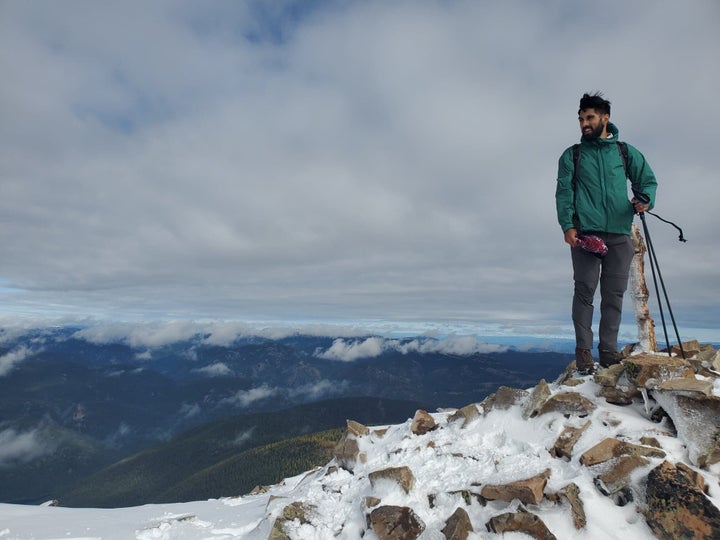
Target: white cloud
(347, 351)
(244, 436)
(456, 345)
(21, 447)
(9, 360)
(350, 350)
(217, 369)
(221, 333)
(318, 390)
(243, 398)
(189, 410)
(153, 334)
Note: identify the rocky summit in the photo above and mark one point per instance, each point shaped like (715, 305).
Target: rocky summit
(632, 451)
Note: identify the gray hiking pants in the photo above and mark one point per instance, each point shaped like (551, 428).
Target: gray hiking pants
(612, 271)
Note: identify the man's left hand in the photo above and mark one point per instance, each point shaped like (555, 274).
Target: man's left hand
(640, 207)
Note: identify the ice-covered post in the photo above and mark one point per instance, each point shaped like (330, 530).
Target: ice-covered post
(639, 291)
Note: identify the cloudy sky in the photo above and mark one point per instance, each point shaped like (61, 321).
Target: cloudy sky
(338, 160)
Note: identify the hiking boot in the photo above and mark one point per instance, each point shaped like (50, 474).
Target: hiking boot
(610, 358)
(584, 362)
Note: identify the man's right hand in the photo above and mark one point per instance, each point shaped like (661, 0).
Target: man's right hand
(571, 237)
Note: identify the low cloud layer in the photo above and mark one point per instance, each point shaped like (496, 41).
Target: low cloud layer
(218, 369)
(9, 360)
(220, 333)
(21, 446)
(350, 350)
(244, 398)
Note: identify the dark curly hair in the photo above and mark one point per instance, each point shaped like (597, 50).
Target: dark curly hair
(594, 101)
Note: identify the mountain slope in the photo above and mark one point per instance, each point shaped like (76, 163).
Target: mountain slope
(204, 461)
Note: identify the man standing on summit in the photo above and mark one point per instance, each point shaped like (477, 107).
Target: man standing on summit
(596, 215)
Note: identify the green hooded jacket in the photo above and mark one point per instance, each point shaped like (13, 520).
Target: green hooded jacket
(600, 200)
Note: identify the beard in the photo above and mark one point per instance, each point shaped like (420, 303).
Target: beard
(594, 133)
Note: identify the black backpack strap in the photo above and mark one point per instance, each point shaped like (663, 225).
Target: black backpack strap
(576, 163)
(576, 159)
(622, 146)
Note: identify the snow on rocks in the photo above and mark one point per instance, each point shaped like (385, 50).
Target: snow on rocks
(553, 461)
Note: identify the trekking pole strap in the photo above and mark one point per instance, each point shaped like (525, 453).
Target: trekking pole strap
(681, 238)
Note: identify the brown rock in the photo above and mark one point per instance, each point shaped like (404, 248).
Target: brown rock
(297, 510)
(568, 375)
(704, 361)
(697, 421)
(346, 451)
(690, 348)
(504, 398)
(525, 522)
(618, 395)
(294, 511)
(688, 385)
(568, 403)
(715, 361)
(566, 441)
(357, 429)
(539, 395)
(571, 493)
(277, 532)
(695, 479)
(650, 441)
(527, 491)
(618, 477)
(402, 476)
(676, 508)
(640, 368)
(458, 525)
(612, 448)
(422, 423)
(396, 523)
(465, 415)
(609, 376)
(371, 502)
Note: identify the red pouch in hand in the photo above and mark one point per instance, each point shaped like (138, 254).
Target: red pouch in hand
(593, 244)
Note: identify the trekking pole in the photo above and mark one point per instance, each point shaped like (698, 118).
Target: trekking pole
(653, 266)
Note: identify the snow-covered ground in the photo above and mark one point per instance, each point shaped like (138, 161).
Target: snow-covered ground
(497, 448)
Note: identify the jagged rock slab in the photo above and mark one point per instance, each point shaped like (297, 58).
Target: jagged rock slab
(527, 491)
(458, 525)
(611, 448)
(697, 421)
(524, 522)
(567, 403)
(618, 477)
(566, 441)
(466, 414)
(538, 396)
(503, 399)
(396, 523)
(677, 508)
(422, 423)
(402, 476)
(644, 367)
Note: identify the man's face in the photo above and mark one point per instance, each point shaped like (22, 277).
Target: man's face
(593, 124)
